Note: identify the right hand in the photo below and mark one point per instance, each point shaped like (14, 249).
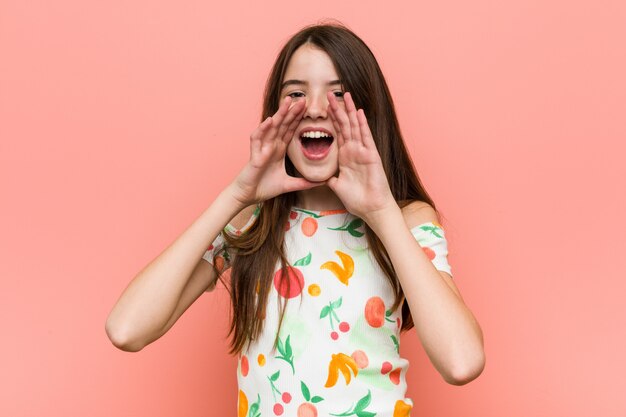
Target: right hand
(264, 176)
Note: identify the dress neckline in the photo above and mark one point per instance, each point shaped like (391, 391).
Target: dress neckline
(319, 213)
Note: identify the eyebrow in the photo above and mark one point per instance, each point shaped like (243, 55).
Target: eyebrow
(301, 82)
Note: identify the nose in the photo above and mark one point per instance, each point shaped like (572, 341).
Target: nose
(316, 106)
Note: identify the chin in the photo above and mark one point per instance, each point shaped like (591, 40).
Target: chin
(316, 175)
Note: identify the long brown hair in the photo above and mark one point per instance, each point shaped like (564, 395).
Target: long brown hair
(259, 248)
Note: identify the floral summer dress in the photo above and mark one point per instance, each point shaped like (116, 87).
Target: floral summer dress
(338, 350)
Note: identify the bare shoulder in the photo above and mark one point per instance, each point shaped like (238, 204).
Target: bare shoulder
(242, 218)
(418, 212)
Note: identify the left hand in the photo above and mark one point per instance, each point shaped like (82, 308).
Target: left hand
(362, 184)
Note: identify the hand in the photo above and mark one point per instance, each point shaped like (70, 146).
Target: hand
(362, 184)
(264, 176)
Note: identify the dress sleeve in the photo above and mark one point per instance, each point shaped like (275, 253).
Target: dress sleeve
(431, 237)
(226, 257)
(217, 245)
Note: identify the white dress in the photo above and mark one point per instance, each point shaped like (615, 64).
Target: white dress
(338, 351)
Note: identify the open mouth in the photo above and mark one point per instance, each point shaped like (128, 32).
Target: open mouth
(316, 144)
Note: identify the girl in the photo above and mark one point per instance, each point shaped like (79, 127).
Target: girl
(332, 244)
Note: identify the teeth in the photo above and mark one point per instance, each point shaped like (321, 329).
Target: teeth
(315, 134)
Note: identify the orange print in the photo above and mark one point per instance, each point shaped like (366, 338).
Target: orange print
(329, 212)
(314, 290)
(375, 312)
(309, 226)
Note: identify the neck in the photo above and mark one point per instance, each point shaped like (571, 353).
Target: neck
(318, 199)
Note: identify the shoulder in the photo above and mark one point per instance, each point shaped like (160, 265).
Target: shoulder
(418, 212)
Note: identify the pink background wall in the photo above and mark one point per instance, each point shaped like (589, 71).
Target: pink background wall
(120, 122)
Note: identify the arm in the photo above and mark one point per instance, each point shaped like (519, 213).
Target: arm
(447, 329)
(168, 285)
(143, 311)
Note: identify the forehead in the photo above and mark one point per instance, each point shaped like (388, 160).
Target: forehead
(308, 61)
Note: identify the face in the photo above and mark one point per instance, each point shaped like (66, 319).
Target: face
(310, 74)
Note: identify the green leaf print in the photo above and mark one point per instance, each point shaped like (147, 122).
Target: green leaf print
(286, 353)
(351, 227)
(307, 394)
(395, 342)
(310, 213)
(363, 402)
(359, 408)
(432, 230)
(305, 391)
(387, 314)
(329, 311)
(273, 379)
(303, 261)
(254, 408)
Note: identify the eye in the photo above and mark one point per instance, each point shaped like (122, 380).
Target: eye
(296, 94)
(338, 94)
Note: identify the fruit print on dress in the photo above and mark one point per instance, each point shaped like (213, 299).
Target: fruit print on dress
(344, 272)
(359, 409)
(329, 311)
(365, 373)
(242, 406)
(307, 408)
(283, 396)
(351, 227)
(291, 285)
(340, 362)
(285, 352)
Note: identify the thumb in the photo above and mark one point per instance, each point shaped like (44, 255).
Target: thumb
(332, 184)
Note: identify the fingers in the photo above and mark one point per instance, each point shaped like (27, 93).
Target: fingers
(366, 133)
(257, 135)
(345, 122)
(354, 123)
(291, 122)
(285, 121)
(336, 126)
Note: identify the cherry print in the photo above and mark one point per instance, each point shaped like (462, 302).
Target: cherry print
(334, 335)
(293, 215)
(286, 397)
(278, 409)
(385, 368)
(344, 326)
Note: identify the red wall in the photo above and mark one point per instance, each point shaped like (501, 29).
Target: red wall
(120, 121)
